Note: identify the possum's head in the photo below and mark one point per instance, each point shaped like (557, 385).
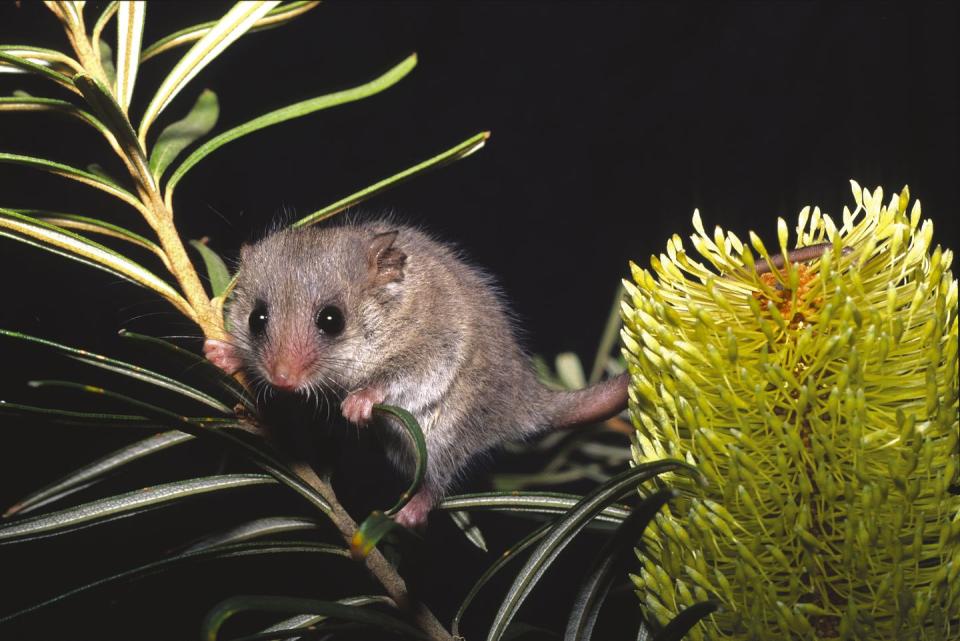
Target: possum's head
(308, 301)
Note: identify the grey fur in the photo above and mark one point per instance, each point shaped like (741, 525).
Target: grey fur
(439, 340)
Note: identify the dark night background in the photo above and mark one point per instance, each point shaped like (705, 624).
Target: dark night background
(611, 122)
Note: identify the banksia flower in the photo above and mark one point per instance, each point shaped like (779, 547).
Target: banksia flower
(818, 396)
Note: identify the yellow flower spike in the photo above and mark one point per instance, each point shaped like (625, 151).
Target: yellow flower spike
(821, 401)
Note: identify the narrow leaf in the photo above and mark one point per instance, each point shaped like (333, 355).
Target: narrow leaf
(274, 18)
(264, 460)
(462, 150)
(91, 253)
(178, 136)
(419, 451)
(216, 269)
(10, 63)
(290, 112)
(108, 12)
(611, 560)
(371, 531)
(293, 625)
(291, 605)
(536, 502)
(78, 175)
(139, 572)
(50, 58)
(86, 419)
(685, 620)
(103, 509)
(129, 36)
(94, 225)
(217, 375)
(125, 369)
(257, 528)
(502, 561)
(97, 470)
(566, 528)
(611, 335)
(463, 521)
(231, 26)
(30, 103)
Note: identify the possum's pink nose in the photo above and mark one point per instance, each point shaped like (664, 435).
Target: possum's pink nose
(288, 374)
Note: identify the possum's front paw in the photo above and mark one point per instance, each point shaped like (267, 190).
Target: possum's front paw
(223, 355)
(357, 407)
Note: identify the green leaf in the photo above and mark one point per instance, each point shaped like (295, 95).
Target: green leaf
(611, 335)
(228, 29)
(113, 114)
(131, 502)
(566, 528)
(374, 527)
(570, 371)
(217, 375)
(125, 369)
(289, 627)
(195, 361)
(106, 61)
(462, 150)
(130, 18)
(76, 247)
(11, 63)
(108, 12)
(612, 560)
(255, 529)
(178, 136)
(139, 572)
(419, 451)
(78, 175)
(102, 227)
(87, 419)
(88, 474)
(292, 605)
(471, 531)
(502, 561)
(290, 112)
(274, 18)
(264, 460)
(686, 619)
(50, 58)
(30, 103)
(216, 269)
(535, 502)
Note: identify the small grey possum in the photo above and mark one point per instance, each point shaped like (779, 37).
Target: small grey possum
(377, 312)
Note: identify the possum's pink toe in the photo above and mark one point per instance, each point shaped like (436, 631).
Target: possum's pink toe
(222, 354)
(414, 514)
(357, 407)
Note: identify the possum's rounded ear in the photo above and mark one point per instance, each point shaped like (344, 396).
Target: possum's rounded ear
(384, 259)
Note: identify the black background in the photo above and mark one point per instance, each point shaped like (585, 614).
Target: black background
(611, 122)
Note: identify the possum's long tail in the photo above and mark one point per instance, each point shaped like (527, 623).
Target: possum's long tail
(593, 404)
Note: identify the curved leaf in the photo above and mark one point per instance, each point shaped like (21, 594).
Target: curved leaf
(292, 605)
(295, 625)
(274, 18)
(216, 269)
(100, 98)
(462, 150)
(225, 382)
(611, 336)
(231, 26)
(68, 417)
(125, 369)
(103, 509)
(130, 18)
(10, 63)
(79, 175)
(290, 112)
(85, 476)
(502, 561)
(374, 527)
(264, 460)
(179, 135)
(566, 528)
(686, 619)
(536, 502)
(419, 450)
(50, 58)
(239, 550)
(108, 12)
(257, 528)
(102, 227)
(30, 103)
(91, 253)
(611, 560)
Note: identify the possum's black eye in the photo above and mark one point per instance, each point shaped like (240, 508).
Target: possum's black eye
(330, 320)
(258, 319)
